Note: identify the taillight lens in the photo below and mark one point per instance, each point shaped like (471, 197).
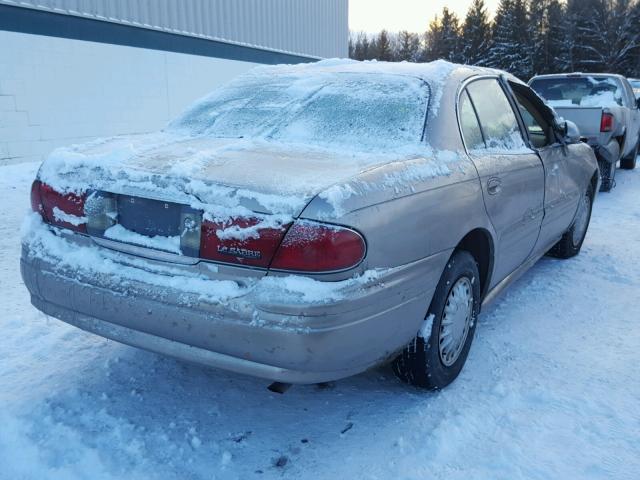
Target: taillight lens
(62, 210)
(256, 249)
(316, 247)
(307, 246)
(36, 201)
(606, 122)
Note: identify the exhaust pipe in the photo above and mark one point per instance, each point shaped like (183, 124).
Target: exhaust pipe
(279, 387)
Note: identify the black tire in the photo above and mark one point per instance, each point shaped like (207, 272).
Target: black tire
(571, 242)
(608, 175)
(629, 162)
(420, 362)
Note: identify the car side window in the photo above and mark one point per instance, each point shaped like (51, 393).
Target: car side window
(497, 118)
(471, 132)
(534, 120)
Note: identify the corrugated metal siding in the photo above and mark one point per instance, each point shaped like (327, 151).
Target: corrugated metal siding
(309, 27)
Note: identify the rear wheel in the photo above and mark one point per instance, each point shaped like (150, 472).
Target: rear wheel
(608, 175)
(571, 242)
(437, 354)
(629, 162)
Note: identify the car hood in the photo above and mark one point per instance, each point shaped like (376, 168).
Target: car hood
(260, 175)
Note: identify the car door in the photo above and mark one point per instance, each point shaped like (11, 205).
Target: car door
(511, 173)
(560, 161)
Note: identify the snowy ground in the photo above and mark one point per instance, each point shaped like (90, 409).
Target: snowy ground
(551, 389)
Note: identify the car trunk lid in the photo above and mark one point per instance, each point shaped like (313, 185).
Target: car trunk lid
(587, 119)
(225, 200)
(261, 175)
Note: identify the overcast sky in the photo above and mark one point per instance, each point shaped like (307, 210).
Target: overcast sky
(396, 15)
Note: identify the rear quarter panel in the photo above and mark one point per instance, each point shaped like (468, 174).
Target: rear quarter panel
(412, 227)
(415, 230)
(411, 209)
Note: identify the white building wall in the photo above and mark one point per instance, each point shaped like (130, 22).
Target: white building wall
(308, 27)
(56, 91)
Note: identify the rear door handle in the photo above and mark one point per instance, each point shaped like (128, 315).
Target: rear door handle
(494, 185)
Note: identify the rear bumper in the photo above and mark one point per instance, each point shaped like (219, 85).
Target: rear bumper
(609, 153)
(294, 342)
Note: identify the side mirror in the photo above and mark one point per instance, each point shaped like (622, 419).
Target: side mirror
(570, 131)
(562, 128)
(638, 102)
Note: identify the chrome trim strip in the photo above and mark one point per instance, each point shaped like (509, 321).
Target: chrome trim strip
(145, 252)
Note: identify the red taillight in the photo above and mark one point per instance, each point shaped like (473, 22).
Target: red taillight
(62, 210)
(307, 246)
(606, 122)
(36, 201)
(255, 251)
(315, 247)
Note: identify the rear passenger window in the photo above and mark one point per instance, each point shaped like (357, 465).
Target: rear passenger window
(498, 122)
(469, 123)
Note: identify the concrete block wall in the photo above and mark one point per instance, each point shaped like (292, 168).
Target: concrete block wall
(57, 91)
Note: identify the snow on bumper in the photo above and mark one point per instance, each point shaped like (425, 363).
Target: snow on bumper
(291, 329)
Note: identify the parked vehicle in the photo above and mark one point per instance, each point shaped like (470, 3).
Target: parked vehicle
(604, 108)
(635, 84)
(306, 223)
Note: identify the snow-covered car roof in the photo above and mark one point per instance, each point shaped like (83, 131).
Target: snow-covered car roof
(577, 75)
(429, 71)
(435, 73)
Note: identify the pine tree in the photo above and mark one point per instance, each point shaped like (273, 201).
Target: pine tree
(585, 25)
(547, 35)
(433, 41)
(527, 37)
(450, 36)
(554, 46)
(383, 47)
(368, 48)
(624, 37)
(511, 45)
(538, 30)
(476, 34)
(394, 45)
(360, 47)
(372, 48)
(408, 46)
(443, 38)
(602, 35)
(634, 19)
(568, 60)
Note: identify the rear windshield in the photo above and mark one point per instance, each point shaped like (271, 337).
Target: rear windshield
(579, 91)
(363, 111)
